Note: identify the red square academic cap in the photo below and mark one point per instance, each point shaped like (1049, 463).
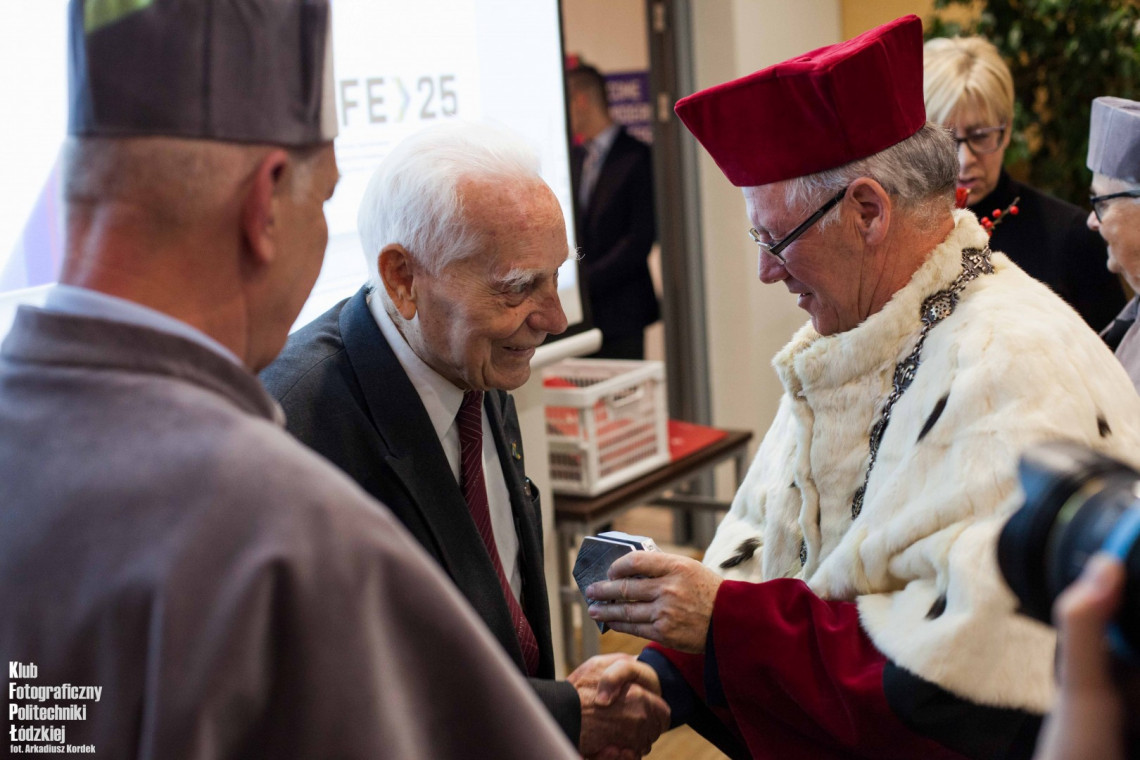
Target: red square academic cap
(815, 112)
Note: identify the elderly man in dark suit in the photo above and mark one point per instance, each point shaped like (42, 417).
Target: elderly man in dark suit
(403, 386)
(214, 588)
(612, 173)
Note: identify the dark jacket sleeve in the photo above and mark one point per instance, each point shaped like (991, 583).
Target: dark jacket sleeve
(561, 699)
(795, 676)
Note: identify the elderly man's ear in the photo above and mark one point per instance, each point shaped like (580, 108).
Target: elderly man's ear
(259, 213)
(398, 272)
(874, 214)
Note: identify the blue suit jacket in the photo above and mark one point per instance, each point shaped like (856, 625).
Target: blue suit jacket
(347, 397)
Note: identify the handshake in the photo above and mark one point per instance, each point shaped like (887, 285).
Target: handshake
(622, 709)
(645, 592)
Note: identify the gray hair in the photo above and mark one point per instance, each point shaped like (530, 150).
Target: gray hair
(414, 198)
(1121, 185)
(919, 173)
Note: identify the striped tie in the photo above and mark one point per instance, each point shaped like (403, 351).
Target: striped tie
(591, 168)
(470, 422)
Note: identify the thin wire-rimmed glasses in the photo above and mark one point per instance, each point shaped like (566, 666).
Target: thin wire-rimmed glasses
(982, 141)
(776, 248)
(1100, 202)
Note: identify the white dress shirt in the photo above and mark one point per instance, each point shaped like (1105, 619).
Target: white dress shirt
(442, 399)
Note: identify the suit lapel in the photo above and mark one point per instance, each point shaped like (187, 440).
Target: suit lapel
(416, 458)
(606, 184)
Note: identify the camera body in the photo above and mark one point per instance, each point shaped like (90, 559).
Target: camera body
(1077, 502)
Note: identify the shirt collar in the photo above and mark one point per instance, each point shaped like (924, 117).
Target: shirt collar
(1131, 310)
(605, 139)
(441, 398)
(84, 302)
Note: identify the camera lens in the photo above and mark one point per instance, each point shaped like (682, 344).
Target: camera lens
(1077, 502)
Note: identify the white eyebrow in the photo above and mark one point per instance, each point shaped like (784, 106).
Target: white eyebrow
(521, 276)
(518, 277)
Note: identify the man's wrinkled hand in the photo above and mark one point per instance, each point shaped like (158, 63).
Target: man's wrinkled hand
(623, 721)
(662, 597)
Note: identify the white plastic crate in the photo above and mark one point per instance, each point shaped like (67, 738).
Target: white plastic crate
(605, 422)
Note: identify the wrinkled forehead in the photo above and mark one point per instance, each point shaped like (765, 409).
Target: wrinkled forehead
(510, 221)
(500, 207)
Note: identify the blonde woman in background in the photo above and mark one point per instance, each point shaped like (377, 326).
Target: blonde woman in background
(968, 88)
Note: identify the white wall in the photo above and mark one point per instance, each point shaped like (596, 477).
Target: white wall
(748, 322)
(608, 34)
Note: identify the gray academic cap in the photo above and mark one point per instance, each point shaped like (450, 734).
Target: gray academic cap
(233, 70)
(1114, 138)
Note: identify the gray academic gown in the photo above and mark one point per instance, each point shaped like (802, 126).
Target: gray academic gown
(232, 594)
(1123, 337)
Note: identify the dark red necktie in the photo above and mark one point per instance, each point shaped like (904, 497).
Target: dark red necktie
(470, 422)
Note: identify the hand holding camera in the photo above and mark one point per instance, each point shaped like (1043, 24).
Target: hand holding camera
(1071, 551)
(1088, 719)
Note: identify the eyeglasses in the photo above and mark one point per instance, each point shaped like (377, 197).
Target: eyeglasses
(983, 141)
(776, 248)
(1100, 202)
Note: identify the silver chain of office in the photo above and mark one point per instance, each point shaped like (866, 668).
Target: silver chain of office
(935, 308)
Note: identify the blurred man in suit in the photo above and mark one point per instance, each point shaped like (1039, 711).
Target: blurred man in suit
(612, 173)
(403, 386)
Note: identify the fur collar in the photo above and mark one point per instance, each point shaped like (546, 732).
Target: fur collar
(813, 361)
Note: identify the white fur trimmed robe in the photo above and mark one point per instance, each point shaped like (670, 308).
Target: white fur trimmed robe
(1012, 366)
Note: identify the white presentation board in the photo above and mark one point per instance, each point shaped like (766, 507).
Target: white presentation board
(399, 66)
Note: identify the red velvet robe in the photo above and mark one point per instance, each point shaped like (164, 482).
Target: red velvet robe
(800, 678)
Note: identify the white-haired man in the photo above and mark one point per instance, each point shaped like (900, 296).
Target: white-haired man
(851, 603)
(404, 386)
(1114, 158)
(210, 587)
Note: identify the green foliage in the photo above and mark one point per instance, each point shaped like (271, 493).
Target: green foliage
(1062, 53)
